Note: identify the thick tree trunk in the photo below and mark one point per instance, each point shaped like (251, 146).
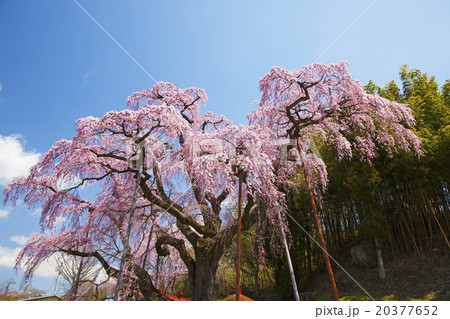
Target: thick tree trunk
(202, 262)
(203, 278)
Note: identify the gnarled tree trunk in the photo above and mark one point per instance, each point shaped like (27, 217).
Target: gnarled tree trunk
(204, 277)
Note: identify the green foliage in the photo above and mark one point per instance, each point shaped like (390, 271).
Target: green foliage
(400, 199)
(355, 298)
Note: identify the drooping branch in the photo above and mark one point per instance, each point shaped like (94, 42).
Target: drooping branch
(179, 245)
(110, 271)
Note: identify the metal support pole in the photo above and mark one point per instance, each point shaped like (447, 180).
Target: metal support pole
(288, 256)
(57, 279)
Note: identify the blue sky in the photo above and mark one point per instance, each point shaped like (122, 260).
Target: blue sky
(57, 65)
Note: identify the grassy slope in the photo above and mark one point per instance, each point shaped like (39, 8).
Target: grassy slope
(427, 278)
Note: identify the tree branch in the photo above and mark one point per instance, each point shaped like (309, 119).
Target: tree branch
(175, 210)
(110, 271)
(179, 245)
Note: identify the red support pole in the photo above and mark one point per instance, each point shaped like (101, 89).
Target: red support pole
(318, 226)
(238, 263)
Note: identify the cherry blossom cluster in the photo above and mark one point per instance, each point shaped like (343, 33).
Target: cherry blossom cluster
(190, 169)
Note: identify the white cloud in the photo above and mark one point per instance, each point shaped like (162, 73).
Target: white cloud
(4, 213)
(21, 240)
(46, 269)
(36, 212)
(64, 184)
(15, 161)
(8, 256)
(49, 268)
(59, 220)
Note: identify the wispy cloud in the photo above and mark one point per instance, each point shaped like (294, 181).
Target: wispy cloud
(8, 256)
(15, 161)
(85, 79)
(1, 88)
(36, 212)
(4, 213)
(19, 239)
(47, 269)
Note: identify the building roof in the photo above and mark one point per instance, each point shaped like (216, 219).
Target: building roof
(44, 298)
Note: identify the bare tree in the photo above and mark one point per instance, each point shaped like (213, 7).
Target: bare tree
(6, 285)
(78, 275)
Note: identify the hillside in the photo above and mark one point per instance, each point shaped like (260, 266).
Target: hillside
(425, 278)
